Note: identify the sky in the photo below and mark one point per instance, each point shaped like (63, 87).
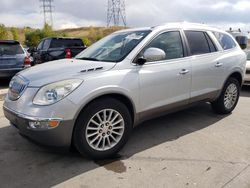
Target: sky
(139, 13)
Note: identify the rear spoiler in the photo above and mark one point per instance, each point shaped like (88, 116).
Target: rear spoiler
(9, 42)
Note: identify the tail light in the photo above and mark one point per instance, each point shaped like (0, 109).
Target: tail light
(68, 54)
(27, 62)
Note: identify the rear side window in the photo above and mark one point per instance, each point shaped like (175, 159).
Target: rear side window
(225, 40)
(59, 43)
(198, 43)
(10, 49)
(211, 44)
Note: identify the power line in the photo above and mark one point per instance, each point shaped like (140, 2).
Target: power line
(47, 9)
(116, 12)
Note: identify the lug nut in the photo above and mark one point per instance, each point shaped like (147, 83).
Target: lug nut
(110, 127)
(108, 133)
(103, 134)
(100, 131)
(102, 126)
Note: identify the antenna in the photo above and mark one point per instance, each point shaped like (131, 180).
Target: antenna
(116, 11)
(47, 11)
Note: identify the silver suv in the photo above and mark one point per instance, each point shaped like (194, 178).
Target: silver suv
(93, 101)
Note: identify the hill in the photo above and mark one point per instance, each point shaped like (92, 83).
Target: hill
(88, 34)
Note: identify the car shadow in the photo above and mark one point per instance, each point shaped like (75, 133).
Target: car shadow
(245, 92)
(4, 83)
(24, 163)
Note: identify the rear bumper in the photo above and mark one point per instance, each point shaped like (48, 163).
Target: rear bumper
(56, 137)
(7, 73)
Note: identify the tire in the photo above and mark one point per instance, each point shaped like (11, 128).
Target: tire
(231, 90)
(105, 140)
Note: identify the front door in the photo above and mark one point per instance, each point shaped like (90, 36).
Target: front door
(165, 84)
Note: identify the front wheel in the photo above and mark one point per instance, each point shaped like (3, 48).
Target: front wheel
(102, 128)
(228, 98)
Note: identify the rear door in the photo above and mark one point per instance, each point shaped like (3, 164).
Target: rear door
(206, 66)
(11, 55)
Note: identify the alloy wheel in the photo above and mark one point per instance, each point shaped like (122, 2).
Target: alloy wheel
(230, 97)
(105, 129)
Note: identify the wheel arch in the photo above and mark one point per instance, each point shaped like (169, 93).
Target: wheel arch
(237, 75)
(127, 101)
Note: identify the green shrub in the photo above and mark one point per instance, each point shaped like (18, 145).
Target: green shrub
(14, 33)
(32, 38)
(86, 41)
(3, 32)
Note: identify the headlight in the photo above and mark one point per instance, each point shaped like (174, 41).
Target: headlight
(50, 94)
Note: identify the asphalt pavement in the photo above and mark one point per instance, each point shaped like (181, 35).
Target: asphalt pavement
(190, 148)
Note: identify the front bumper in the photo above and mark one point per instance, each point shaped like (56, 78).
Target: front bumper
(58, 137)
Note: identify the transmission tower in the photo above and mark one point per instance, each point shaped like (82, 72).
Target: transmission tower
(47, 9)
(116, 12)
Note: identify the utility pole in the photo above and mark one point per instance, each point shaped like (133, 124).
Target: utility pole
(47, 9)
(116, 12)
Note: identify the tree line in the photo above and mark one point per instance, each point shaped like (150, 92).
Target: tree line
(31, 37)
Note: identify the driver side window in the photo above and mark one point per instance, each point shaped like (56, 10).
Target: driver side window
(170, 42)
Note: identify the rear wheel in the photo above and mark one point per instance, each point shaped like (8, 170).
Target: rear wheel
(102, 128)
(228, 98)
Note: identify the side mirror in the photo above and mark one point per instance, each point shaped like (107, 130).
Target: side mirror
(242, 41)
(33, 49)
(151, 54)
(141, 61)
(154, 54)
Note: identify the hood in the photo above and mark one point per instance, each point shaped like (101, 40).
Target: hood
(63, 69)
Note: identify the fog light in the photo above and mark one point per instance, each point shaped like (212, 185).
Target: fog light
(43, 124)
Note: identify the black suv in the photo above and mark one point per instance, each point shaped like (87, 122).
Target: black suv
(50, 49)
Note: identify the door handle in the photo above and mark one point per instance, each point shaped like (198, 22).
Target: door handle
(218, 64)
(184, 71)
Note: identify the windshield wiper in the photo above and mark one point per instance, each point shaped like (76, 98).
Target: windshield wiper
(88, 58)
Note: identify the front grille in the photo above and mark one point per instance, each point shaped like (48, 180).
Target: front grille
(17, 86)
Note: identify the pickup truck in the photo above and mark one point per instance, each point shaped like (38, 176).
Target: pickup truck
(53, 48)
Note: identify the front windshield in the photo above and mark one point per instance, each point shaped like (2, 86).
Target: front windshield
(115, 47)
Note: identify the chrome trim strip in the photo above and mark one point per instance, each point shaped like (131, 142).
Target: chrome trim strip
(30, 117)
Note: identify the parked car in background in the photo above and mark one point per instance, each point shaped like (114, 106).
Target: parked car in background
(243, 41)
(29, 55)
(247, 75)
(94, 100)
(240, 37)
(50, 49)
(13, 58)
